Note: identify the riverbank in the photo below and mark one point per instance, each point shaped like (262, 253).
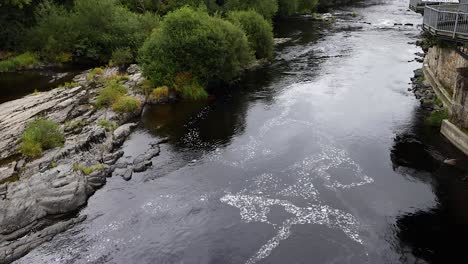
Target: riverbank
(39, 197)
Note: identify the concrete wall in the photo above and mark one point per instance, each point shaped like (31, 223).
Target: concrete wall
(444, 63)
(447, 72)
(459, 111)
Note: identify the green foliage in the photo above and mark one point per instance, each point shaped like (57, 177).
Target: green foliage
(126, 104)
(121, 57)
(160, 93)
(17, 3)
(188, 87)
(90, 31)
(39, 135)
(88, 170)
(19, 62)
(109, 94)
(92, 74)
(435, 118)
(267, 8)
(109, 126)
(258, 30)
(189, 40)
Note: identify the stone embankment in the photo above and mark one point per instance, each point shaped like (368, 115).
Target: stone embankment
(41, 197)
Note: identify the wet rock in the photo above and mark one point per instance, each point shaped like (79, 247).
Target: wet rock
(128, 174)
(122, 132)
(112, 158)
(7, 171)
(143, 166)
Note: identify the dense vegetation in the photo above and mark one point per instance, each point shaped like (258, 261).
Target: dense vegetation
(183, 45)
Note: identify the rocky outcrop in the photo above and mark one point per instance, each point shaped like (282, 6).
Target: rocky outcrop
(54, 187)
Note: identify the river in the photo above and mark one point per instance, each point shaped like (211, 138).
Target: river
(320, 157)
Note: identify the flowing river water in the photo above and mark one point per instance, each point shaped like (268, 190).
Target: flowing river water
(320, 157)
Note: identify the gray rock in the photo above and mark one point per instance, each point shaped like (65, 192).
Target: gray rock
(128, 174)
(143, 166)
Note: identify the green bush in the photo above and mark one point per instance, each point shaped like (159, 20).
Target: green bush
(191, 41)
(109, 94)
(90, 31)
(121, 57)
(41, 134)
(266, 8)
(188, 87)
(258, 30)
(126, 104)
(19, 62)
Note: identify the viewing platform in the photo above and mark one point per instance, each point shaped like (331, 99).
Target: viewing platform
(448, 21)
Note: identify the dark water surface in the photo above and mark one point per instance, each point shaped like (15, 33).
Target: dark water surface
(14, 85)
(318, 158)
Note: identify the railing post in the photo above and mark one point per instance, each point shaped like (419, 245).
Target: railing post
(456, 25)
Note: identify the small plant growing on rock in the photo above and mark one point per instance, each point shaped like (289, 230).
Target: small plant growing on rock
(88, 170)
(110, 94)
(126, 104)
(94, 72)
(68, 85)
(109, 126)
(41, 134)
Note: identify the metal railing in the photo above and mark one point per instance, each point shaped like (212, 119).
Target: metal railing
(447, 20)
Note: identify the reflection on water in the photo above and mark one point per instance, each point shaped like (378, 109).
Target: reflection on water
(438, 234)
(14, 85)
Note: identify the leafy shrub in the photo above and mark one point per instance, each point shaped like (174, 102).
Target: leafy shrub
(121, 57)
(188, 87)
(258, 30)
(91, 30)
(19, 62)
(109, 94)
(126, 104)
(41, 134)
(266, 8)
(191, 41)
(160, 93)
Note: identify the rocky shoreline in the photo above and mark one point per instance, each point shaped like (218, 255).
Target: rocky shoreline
(40, 198)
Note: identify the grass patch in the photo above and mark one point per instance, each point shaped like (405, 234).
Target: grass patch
(126, 104)
(110, 94)
(68, 85)
(109, 126)
(119, 77)
(87, 170)
(435, 118)
(160, 93)
(19, 62)
(39, 135)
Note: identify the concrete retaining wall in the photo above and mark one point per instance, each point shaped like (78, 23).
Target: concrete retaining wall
(455, 135)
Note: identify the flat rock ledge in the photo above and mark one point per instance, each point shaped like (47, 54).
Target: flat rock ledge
(47, 190)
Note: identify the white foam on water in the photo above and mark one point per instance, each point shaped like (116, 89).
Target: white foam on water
(256, 208)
